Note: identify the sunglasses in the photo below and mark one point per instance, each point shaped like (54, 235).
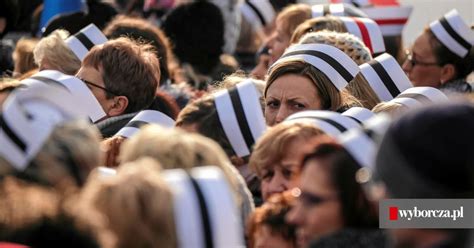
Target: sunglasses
(413, 62)
(309, 199)
(98, 86)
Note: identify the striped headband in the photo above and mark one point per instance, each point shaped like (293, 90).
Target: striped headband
(453, 32)
(367, 30)
(332, 123)
(362, 143)
(144, 117)
(28, 117)
(82, 42)
(391, 19)
(334, 63)
(241, 116)
(319, 10)
(89, 104)
(259, 13)
(418, 96)
(358, 114)
(385, 77)
(205, 213)
(357, 3)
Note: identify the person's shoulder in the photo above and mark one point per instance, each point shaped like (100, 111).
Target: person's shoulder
(355, 238)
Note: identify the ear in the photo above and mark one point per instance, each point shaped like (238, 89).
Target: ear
(448, 72)
(119, 106)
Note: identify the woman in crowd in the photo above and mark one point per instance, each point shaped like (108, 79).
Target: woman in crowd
(23, 57)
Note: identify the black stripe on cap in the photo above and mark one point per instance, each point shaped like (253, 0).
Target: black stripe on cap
(84, 40)
(385, 77)
(369, 132)
(241, 117)
(464, 43)
(205, 218)
(333, 123)
(328, 59)
(11, 134)
(326, 10)
(137, 124)
(419, 97)
(257, 11)
(355, 119)
(49, 81)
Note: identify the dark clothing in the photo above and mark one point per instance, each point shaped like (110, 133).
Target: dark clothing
(110, 126)
(456, 86)
(354, 238)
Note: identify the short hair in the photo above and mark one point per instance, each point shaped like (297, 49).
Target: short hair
(129, 68)
(292, 16)
(394, 109)
(23, 56)
(272, 145)
(331, 98)
(357, 51)
(464, 66)
(136, 205)
(357, 211)
(272, 215)
(330, 23)
(66, 158)
(59, 56)
(140, 29)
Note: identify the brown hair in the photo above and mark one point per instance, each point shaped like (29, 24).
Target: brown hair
(331, 97)
(293, 15)
(330, 23)
(392, 108)
(128, 68)
(141, 29)
(23, 56)
(272, 215)
(273, 143)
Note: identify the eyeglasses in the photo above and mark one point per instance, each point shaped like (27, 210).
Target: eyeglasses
(308, 199)
(98, 86)
(413, 62)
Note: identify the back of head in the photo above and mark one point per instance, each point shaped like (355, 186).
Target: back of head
(23, 55)
(329, 23)
(128, 68)
(292, 16)
(196, 31)
(432, 148)
(140, 29)
(52, 53)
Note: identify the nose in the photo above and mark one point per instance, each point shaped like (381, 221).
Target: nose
(282, 113)
(406, 66)
(295, 216)
(278, 184)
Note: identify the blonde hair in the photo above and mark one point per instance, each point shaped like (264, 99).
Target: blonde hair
(136, 204)
(394, 109)
(23, 56)
(329, 23)
(66, 158)
(292, 16)
(273, 144)
(354, 48)
(53, 50)
(331, 98)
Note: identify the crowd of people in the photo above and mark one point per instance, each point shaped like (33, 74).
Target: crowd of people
(227, 123)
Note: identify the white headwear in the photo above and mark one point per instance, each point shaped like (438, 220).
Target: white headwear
(82, 42)
(391, 19)
(332, 123)
(259, 13)
(367, 30)
(385, 77)
(418, 96)
(88, 103)
(241, 116)
(334, 63)
(205, 212)
(453, 32)
(29, 116)
(142, 118)
(359, 114)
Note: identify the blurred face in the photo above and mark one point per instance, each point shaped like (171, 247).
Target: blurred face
(317, 211)
(423, 69)
(278, 42)
(289, 94)
(265, 239)
(284, 174)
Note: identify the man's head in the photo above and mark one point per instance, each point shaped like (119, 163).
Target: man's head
(123, 75)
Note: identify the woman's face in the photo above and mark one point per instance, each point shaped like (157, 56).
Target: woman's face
(423, 70)
(284, 174)
(289, 94)
(317, 211)
(278, 42)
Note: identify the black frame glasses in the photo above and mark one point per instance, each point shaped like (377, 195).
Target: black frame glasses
(98, 86)
(413, 62)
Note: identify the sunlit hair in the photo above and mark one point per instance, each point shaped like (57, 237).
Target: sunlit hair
(53, 50)
(292, 16)
(23, 56)
(330, 23)
(394, 109)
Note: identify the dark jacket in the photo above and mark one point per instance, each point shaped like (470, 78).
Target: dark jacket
(354, 238)
(456, 86)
